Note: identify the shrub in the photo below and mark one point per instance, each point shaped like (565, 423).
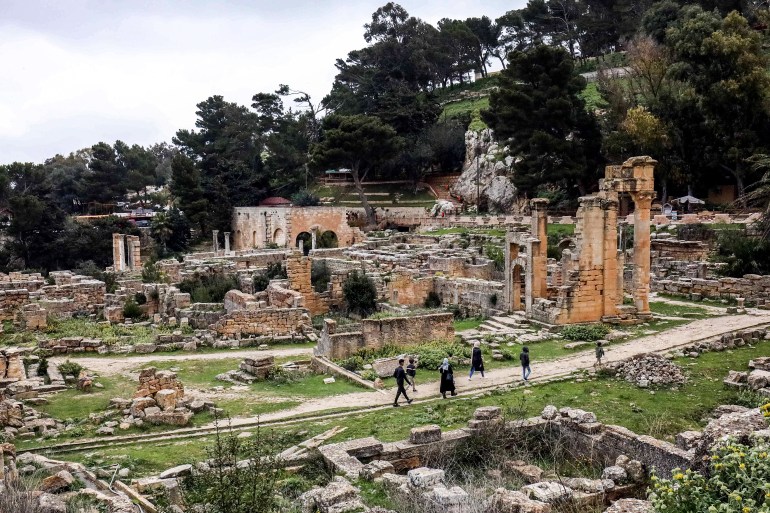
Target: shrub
(262, 279)
(151, 273)
(320, 275)
(209, 288)
(131, 310)
(140, 298)
(70, 368)
(698, 231)
(305, 198)
(589, 332)
(738, 481)
(742, 254)
(352, 363)
(433, 300)
(259, 281)
(360, 294)
(42, 367)
(496, 254)
(241, 476)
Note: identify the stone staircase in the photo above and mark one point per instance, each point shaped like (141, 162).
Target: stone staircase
(441, 185)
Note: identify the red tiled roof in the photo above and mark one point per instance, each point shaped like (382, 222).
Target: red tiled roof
(274, 201)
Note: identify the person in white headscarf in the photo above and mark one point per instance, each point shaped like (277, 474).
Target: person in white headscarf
(447, 378)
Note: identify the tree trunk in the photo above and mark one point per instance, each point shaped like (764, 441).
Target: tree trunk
(370, 217)
(664, 192)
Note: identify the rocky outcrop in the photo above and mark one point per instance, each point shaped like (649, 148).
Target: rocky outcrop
(491, 168)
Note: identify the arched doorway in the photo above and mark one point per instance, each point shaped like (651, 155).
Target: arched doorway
(279, 237)
(307, 242)
(328, 239)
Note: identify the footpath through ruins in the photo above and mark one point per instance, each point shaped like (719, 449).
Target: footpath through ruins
(700, 330)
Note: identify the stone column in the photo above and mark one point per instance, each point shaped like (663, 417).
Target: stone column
(215, 236)
(313, 234)
(118, 252)
(540, 248)
(227, 243)
(642, 203)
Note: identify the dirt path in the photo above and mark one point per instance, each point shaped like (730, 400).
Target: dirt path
(106, 366)
(427, 387)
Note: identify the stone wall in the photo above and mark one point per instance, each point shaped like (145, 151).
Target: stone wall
(753, 287)
(263, 322)
(298, 269)
(474, 297)
(459, 267)
(407, 288)
(679, 250)
(11, 301)
(11, 366)
(402, 331)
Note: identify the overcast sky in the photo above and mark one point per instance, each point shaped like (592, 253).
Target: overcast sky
(76, 72)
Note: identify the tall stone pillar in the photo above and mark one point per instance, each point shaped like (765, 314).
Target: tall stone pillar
(642, 203)
(611, 296)
(539, 248)
(313, 235)
(227, 243)
(118, 252)
(215, 235)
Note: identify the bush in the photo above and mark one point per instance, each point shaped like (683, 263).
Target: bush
(70, 368)
(305, 198)
(742, 254)
(42, 367)
(241, 477)
(699, 232)
(260, 281)
(151, 273)
(140, 298)
(433, 300)
(352, 363)
(589, 332)
(320, 275)
(360, 294)
(497, 255)
(131, 310)
(209, 288)
(738, 481)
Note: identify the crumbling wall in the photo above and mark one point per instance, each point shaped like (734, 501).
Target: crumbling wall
(753, 287)
(263, 322)
(402, 331)
(298, 269)
(407, 288)
(474, 297)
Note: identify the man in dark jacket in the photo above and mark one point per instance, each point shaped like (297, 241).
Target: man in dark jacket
(400, 375)
(524, 357)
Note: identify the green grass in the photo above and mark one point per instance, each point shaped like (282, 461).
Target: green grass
(472, 106)
(562, 230)
(470, 323)
(110, 334)
(73, 404)
(592, 97)
(663, 308)
(378, 194)
(662, 414)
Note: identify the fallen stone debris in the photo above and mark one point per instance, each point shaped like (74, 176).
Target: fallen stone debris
(649, 370)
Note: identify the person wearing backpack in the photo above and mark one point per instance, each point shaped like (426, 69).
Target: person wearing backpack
(447, 383)
(401, 378)
(411, 371)
(599, 353)
(524, 358)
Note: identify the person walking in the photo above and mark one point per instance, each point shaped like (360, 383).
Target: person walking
(400, 375)
(411, 371)
(477, 362)
(524, 358)
(599, 353)
(447, 383)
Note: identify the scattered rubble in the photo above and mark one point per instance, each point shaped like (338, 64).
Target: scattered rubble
(649, 370)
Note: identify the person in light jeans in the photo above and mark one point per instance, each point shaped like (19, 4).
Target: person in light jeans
(524, 358)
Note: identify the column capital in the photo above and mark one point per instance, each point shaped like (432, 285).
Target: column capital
(539, 203)
(643, 199)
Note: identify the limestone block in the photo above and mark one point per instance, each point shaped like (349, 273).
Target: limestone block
(424, 477)
(509, 501)
(758, 379)
(166, 399)
(630, 506)
(425, 434)
(58, 482)
(589, 485)
(528, 473)
(178, 471)
(548, 491)
(376, 469)
(450, 500)
(336, 492)
(615, 473)
(487, 413)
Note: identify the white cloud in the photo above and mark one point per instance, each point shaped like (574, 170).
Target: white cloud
(80, 72)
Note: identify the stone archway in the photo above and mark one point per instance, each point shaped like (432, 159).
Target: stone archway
(279, 237)
(327, 239)
(307, 242)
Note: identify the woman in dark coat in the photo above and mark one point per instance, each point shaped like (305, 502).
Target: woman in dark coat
(447, 378)
(477, 362)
